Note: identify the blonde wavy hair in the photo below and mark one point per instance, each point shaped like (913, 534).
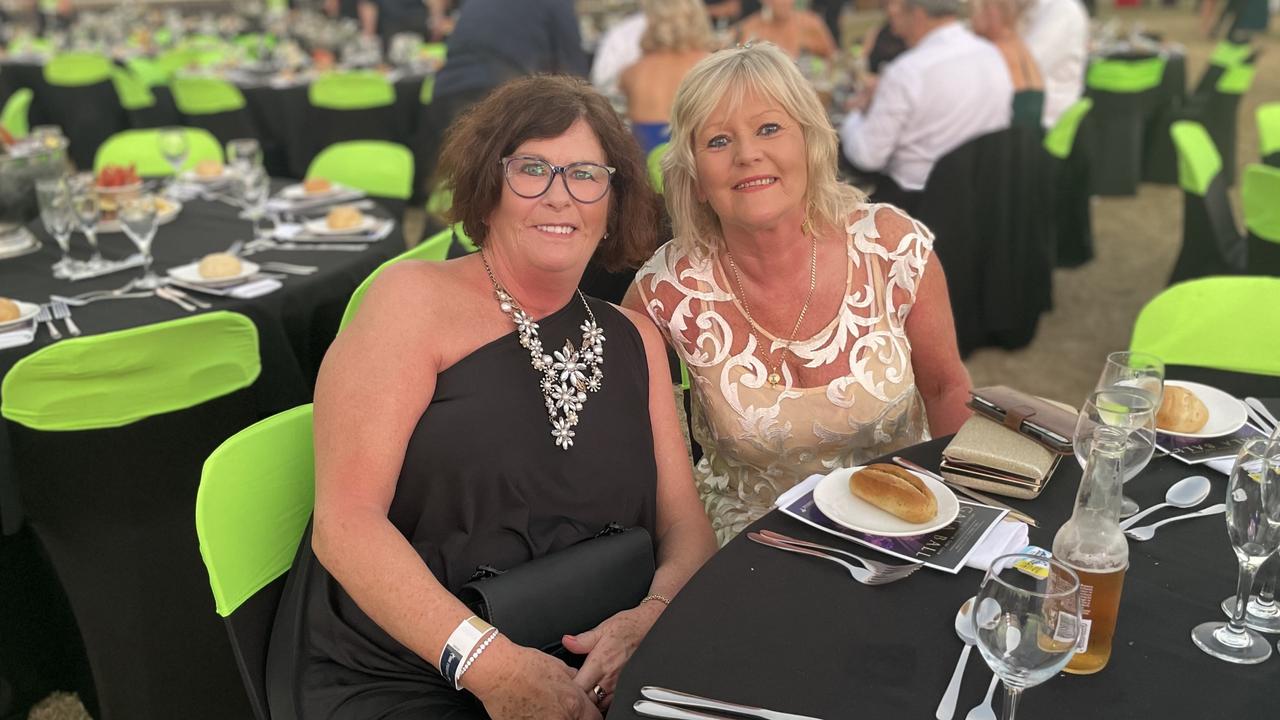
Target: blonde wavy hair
(731, 74)
(676, 26)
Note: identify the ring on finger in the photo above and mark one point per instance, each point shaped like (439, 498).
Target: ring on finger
(598, 693)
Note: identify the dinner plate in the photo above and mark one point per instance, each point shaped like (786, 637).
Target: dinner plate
(320, 227)
(168, 214)
(1226, 413)
(190, 273)
(191, 176)
(298, 191)
(836, 501)
(26, 311)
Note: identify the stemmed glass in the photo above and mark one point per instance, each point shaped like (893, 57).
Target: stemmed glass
(1253, 524)
(254, 187)
(1124, 408)
(172, 143)
(58, 219)
(243, 154)
(88, 211)
(138, 219)
(1262, 613)
(1138, 372)
(1027, 623)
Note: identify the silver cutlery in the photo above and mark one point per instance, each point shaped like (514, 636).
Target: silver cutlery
(872, 565)
(63, 313)
(675, 697)
(649, 708)
(964, 629)
(967, 492)
(189, 298)
(79, 301)
(290, 268)
(163, 295)
(1146, 532)
(984, 711)
(305, 246)
(1256, 405)
(860, 574)
(46, 317)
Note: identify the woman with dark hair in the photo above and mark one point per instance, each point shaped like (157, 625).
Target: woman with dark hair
(470, 415)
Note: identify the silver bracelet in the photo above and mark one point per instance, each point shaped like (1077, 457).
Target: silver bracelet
(457, 679)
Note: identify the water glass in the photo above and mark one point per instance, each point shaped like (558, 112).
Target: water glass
(1027, 621)
(254, 188)
(1262, 613)
(138, 219)
(1253, 525)
(172, 143)
(58, 219)
(87, 208)
(244, 154)
(1138, 371)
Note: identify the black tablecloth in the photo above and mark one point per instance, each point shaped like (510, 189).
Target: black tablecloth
(786, 632)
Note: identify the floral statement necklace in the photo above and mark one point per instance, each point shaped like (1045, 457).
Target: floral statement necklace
(570, 374)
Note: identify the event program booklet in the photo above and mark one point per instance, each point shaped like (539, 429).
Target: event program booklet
(1199, 450)
(945, 549)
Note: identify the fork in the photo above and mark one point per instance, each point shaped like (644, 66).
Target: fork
(63, 313)
(862, 575)
(46, 317)
(872, 565)
(1146, 532)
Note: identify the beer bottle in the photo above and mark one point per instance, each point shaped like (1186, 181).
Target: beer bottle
(1092, 544)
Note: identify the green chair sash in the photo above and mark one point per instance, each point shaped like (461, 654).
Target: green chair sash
(1062, 137)
(428, 91)
(256, 495)
(1269, 128)
(1216, 322)
(1260, 195)
(434, 248)
(76, 69)
(114, 379)
(139, 148)
(133, 92)
(437, 51)
(1125, 76)
(1237, 79)
(377, 167)
(150, 72)
(198, 95)
(1198, 159)
(15, 117)
(1228, 54)
(654, 162)
(351, 91)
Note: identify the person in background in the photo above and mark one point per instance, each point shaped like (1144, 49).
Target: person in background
(949, 87)
(618, 49)
(338, 9)
(1243, 18)
(730, 11)
(997, 21)
(795, 31)
(881, 45)
(829, 11)
(1057, 34)
(677, 35)
(816, 327)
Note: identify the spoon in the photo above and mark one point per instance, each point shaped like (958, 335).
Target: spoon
(985, 711)
(1187, 492)
(964, 628)
(1146, 532)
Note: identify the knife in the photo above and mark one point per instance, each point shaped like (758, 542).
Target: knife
(971, 494)
(663, 695)
(656, 709)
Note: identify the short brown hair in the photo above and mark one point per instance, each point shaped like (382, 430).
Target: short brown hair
(544, 106)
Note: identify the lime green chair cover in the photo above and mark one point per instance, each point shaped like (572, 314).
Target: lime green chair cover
(14, 118)
(1214, 322)
(255, 498)
(114, 379)
(357, 90)
(1062, 137)
(434, 248)
(428, 91)
(250, 42)
(1237, 79)
(434, 51)
(655, 165)
(132, 91)
(278, 7)
(199, 95)
(1269, 128)
(1126, 76)
(1198, 159)
(151, 72)
(29, 45)
(440, 202)
(75, 69)
(1228, 54)
(1260, 195)
(189, 58)
(139, 148)
(377, 167)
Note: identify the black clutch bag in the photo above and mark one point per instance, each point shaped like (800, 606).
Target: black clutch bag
(566, 592)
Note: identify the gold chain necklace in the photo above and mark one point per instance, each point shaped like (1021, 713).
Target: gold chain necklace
(775, 377)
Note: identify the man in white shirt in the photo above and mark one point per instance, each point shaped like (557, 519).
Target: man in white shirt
(949, 87)
(1057, 34)
(618, 50)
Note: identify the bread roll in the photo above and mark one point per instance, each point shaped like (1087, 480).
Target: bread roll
(344, 217)
(316, 185)
(8, 310)
(219, 265)
(896, 491)
(209, 169)
(1181, 411)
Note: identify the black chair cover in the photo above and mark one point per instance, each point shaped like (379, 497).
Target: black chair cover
(1072, 193)
(1264, 256)
(1211, 242)
(88, 115)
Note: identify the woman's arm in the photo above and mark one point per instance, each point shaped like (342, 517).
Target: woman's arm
(941, 377)
(374, 384)
(821, 43)
(684, 538)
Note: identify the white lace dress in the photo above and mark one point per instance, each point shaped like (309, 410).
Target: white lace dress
(757, 440)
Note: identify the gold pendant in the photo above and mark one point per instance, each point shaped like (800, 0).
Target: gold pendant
(775, 379)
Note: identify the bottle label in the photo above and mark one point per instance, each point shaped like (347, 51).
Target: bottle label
(1065, 628)
(1082, 643)
(1035, 568)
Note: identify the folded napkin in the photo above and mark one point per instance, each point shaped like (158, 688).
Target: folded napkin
(256, 288)
(114, 266)
(1222, 465)
(21, 336)
(1002, 539)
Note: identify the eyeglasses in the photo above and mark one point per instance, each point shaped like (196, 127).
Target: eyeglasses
(530, 177)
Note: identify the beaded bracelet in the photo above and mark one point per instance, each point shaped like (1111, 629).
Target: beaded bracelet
(457, 680)
(655, 596)
(461, 645)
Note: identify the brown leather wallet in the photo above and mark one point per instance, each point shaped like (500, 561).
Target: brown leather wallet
(1047, 423)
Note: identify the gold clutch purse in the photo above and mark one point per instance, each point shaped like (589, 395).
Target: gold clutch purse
(987, 456)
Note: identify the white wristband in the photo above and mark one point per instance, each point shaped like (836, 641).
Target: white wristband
(457, 679)
(461, 643)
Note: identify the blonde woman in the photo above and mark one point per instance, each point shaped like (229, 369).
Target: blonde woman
(677, 35)
(795, 31)
(998, 21)
(816, 327)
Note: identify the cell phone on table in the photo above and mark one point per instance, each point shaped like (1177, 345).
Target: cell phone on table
(1053, 440)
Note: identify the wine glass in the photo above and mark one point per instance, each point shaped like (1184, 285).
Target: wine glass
(1131, 411)
(87, 208)
(244, 154)
(1138, 371)
(1253, 524)
(58, 219)
(1262, 613)
(254, 187)
(1027, 621)
(138, 219)
(172, 143)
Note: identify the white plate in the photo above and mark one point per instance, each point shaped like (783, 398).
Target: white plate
(1226, 413)
(190, 273)
(190, 176)
(299, 192)
(319, 227)
(836, 501)
(163, 218)
(26, 311)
